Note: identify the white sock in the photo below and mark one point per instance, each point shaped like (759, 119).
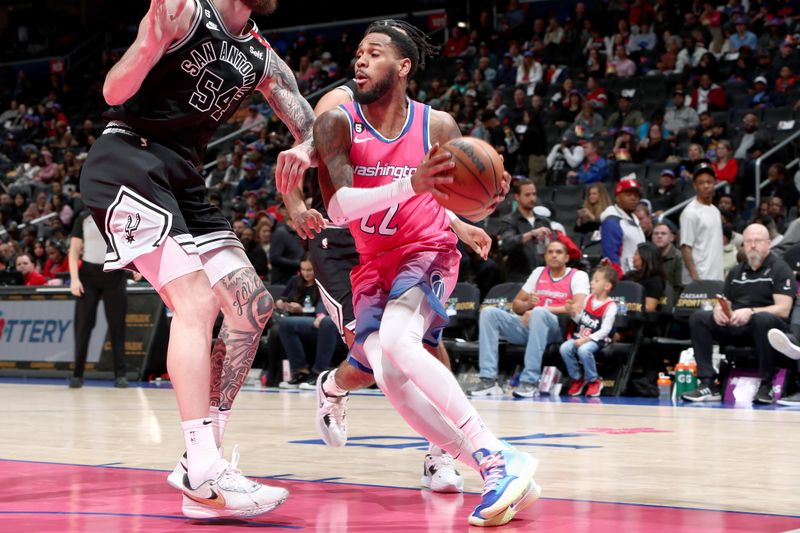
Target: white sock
(329, 386)
(201, 449)
(402, 327)
(219, 420)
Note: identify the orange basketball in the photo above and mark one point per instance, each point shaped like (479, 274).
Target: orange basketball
(477, 176)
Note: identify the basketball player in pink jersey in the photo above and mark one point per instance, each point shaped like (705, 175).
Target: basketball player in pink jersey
(384, 164)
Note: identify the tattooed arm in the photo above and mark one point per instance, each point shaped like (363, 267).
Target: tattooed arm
(332, 138)
(280, 89)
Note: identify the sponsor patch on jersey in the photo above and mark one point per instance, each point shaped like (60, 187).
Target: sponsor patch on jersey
(258, 53)
(358, 127)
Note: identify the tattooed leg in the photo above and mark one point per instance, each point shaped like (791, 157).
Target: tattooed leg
(247, 307)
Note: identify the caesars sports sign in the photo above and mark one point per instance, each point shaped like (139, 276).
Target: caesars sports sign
(33, 330)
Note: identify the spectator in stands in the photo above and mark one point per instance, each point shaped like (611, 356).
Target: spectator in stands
(529, 72)
(566, 114)
(708, 96)
(254, 122)
(644, 216)
(625, 115)
(667, 194)
(760, 95)
(216, 175)
(671, 259)
(252, 180)
(593, 168)
(787, 56)
(694, 158)
(759, 291)
(523, 236)
(753, 140)
(595, 202)
(653, 148)
(701, 230)
(326, 66)
(533, 147)
(725, 167)
(621, 65)
(595, 94)
(743, 37)
(680, 118)
(518, 107)
(37, 209)
(619, 228)
(643, 40)
(625, 145)
(306, 321)
(730, 252)
(648, 271)
(57, 260)
(785, 85)
(780, 184)
(595, 64)
(565, 156)
(24, 266)
(59, 206)
(259, 255)
(594, 329)
(506, 72)
(690, 55)
(777, 210)
(285, 252)
(543, 296)
(588, 123)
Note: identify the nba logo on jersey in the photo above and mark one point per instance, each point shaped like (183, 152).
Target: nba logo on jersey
(437, 284)
(358, 127)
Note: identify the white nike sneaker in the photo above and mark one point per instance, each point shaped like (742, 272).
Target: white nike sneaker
(229, 494)
(439, 472)
(175, 478)
(331, 415)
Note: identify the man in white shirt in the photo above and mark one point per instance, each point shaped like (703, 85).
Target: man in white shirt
(701, 231)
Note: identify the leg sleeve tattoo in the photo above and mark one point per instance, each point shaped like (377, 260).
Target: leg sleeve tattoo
(247, 307)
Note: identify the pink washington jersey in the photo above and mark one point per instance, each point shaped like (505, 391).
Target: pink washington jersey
(554, 293)
(408, 245)
(379, 161)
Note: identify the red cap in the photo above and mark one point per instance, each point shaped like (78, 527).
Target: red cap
(627, 184)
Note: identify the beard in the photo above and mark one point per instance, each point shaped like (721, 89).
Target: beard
(755, 260)
(261, 7)
(372, 95)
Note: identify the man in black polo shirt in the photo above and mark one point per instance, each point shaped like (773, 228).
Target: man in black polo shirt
(760, 292)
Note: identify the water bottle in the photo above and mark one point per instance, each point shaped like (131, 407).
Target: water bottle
(307, 307)
(664, 386)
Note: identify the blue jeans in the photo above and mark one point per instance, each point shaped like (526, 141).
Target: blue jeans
(293, 330)
(496, 323)
(585, 354)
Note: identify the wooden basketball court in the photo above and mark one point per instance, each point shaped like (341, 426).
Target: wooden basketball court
(95, 459)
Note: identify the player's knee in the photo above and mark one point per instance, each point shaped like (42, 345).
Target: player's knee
(203, 305)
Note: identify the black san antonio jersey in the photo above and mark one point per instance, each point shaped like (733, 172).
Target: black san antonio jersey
(197, 84)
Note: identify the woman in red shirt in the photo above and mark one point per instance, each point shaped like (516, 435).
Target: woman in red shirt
(57, 261)
(726, 167)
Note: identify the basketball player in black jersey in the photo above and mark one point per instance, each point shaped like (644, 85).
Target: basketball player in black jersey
(192, 64)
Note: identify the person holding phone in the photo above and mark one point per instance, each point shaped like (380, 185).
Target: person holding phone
(758, 297)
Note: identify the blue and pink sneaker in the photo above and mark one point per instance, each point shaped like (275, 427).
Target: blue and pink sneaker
(508, 486)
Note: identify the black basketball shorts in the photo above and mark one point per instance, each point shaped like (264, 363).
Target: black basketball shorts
(333, 256)
(141, 192)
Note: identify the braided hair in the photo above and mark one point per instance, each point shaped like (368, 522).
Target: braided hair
(408, 40)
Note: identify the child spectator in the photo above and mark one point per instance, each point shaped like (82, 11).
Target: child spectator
(595, 327)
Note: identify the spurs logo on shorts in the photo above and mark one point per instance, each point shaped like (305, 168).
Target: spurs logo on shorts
(134, 226)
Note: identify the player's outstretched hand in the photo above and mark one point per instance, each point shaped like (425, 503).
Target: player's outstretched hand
(434, 170)
(291, 166)
(163, 18)
(474, 237)
(309, 222)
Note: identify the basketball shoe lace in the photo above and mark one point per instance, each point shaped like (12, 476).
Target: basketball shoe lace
(493, 467)
(232, 478)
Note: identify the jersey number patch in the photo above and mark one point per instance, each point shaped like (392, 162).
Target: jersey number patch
(207, 95)
(383, 228)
